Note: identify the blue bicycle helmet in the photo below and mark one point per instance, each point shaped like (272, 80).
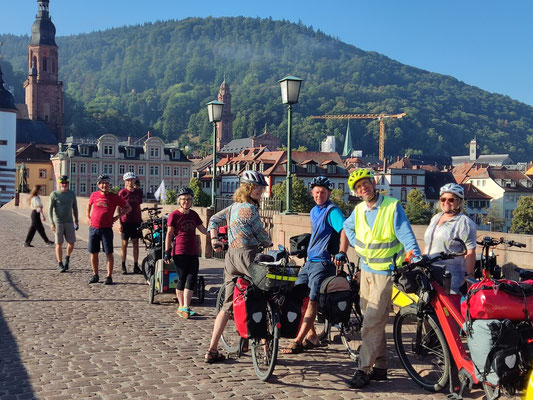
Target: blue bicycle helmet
(321, 181)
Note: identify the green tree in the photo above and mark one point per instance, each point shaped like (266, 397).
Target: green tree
(201, 198)
(337, 196)
(494, 219)
(172, 197)
(523, 216)
(417, 209)
(302, 202)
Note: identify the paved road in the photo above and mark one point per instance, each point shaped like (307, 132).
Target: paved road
(61, 338)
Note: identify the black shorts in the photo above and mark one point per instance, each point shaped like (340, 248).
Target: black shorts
(130, 230)
(187, 270)
(97, 235)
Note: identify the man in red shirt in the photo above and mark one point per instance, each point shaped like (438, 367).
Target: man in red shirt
(100, 217)
(131, 222)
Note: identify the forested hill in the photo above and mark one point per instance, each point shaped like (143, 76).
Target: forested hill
(159, 76)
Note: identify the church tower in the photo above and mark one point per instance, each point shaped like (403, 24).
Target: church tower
(44, 92)
(225, 126)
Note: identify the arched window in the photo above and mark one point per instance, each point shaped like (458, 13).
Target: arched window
(45, 63)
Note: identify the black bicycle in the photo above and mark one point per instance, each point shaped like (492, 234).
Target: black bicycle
(487, 262)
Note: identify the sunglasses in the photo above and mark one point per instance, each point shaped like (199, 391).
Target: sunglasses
(449, 200)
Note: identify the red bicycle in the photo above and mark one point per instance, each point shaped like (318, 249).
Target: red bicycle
(428, 335)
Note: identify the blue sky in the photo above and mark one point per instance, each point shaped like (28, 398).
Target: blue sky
(488, 44)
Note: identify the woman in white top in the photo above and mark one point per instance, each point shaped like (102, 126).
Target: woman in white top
(452, 223)
(37, 211)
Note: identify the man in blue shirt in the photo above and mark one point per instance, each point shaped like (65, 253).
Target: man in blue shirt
(379, 231)
(327, 224)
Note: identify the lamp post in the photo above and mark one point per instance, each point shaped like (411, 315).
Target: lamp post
(290, 91)
(214, 112)
(71, 152)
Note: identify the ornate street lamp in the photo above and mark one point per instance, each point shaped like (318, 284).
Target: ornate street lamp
(290, 91)
(214, 112)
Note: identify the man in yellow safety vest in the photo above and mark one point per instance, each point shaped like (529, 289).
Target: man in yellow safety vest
(379, 231)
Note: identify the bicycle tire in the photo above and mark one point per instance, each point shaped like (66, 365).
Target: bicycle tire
(151, 290)
(350, 331)
(200, 289)
(322, 326)
(146, 268)
(265, 351)
(429, 366)
(230, 339)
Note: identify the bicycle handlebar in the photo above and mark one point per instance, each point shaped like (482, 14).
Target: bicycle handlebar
(489, 241)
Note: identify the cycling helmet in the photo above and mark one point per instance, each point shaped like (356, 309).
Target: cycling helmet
(185, 190)
(254, 177)
(129, 175)
(453, 188)
(357, 175)
(321, 181)
(63, 179)
(103, 178)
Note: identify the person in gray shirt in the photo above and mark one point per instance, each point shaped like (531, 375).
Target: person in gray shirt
(63, 206)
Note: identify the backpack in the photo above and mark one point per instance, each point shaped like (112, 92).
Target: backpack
(335, 299)
(292, 309)
(249, 309)
(495, 350)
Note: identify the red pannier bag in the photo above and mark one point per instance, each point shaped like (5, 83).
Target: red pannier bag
(249, 309)
(499, 299)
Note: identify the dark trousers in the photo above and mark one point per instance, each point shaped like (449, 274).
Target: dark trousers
(36, 225)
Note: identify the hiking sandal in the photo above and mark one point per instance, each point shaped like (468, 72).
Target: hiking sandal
(293, 348)
(212, 357)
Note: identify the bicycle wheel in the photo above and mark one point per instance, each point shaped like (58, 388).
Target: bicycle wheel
(322, 326)
(200, 289)
(424, 355)
(151, 290)
(231, 340)
(350, 331)
(265, 351)
(147, 267)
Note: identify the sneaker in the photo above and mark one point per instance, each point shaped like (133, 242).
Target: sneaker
(50, 243)
(137, 270)
(61, 267)
(28, 245)
(94, 279)
(65, 265)
(124, 270)
(359, 380)
(378, 374)
(108, 281)
(191, 312)
(182, 312)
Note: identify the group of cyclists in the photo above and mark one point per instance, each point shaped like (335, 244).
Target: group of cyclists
(378, 230)
(380, 233)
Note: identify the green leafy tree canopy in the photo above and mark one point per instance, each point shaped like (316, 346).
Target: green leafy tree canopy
(417, 209)
(523, 216)
(201, 198)
(302, 202)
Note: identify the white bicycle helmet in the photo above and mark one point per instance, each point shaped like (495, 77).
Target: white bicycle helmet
(254, 177)
(453, 188)
(129, 175)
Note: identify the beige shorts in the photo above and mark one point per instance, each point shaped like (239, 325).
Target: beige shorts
(236, 264)
(65, 230)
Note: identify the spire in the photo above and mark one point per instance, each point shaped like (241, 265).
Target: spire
(348, 144)
(43, 30)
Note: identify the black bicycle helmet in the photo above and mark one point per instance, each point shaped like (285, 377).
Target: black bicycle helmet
(63, 179)
(254, 177)
(185, 190)
(103, 178)
(321, 181)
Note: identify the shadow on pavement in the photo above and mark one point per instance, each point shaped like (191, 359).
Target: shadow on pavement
(14, 379)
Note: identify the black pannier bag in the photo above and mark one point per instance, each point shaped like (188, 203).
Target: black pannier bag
(249, 309)
(292, 310)
(495, 350)
(334, 299)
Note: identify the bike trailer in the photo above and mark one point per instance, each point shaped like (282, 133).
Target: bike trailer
(499, 299)
(495, 350)
(334, 299)
(249, 309)
(166, 277)
(292, 309)
(271, 276)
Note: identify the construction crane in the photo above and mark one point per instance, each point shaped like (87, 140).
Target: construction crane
(379, 117)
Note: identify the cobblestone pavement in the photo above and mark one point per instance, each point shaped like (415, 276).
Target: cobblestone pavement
(64, 339)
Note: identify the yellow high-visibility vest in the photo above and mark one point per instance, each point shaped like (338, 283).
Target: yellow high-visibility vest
(377, 246)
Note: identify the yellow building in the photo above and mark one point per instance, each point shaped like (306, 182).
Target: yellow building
(38, 168)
